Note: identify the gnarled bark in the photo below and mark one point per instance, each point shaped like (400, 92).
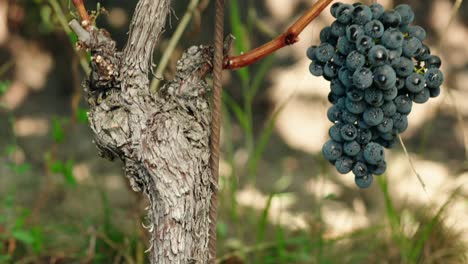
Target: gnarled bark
(162, 139)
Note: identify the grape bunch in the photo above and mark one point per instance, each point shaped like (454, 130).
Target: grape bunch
(377, 66)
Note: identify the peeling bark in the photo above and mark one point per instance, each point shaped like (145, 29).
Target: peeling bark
(162, 139)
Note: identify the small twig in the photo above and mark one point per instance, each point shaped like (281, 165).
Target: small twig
(172, 45)
(85, 19)
(411, 163)
(289, 37)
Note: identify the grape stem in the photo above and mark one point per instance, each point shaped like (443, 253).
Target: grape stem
(289, 37)
(85, 19)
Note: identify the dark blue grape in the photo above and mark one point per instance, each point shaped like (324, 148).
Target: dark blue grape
(311, 53)
(424, 53)
(355, 95)
(345, 77)
(355, 60)
(373, 96)
(330, 70)
(362, 14)
(353, 32)
(374, 153)
(386, 125)
(333, 98)
(316, 68)
(348, 117)
(378, 55)
(365, 181)
(373, 116)
(434, 78)
(344, 46)
(390, 94)
(392, 38)
(338, 29)
(377, 10)
(412, 47)
(415, 82)
(400, 83)
(348, 132)
(434, 92)
(335, 132)
(364, 136)
(433, 61)
(421, 97)
(394, 57)
(344, 164)
(351, 148)
(405, 68)
(362, 78)
(324, 52)
(406, 13)
(338, 59)
(391, 18)
(332, 150)
(360, 169)
(400, 122)
(417, 32)
(374, 29)
(364, 44)
(387, 136)
(384, 77)
(334, 113)
(344, 13)
(380, 168)
(389, 108)
(362, 124)
(403, 104)
(326, 35)
(337, 87)
(334, 8)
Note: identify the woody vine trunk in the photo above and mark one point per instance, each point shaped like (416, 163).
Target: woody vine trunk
(163, 138)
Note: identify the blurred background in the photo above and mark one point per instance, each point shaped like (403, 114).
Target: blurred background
(281, 202)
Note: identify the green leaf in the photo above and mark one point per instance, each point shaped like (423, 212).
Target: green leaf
(82, 115)
(73, 37)
(24, 236)
(57, 167)
(4, 86)
(58, 134)
(68, 173)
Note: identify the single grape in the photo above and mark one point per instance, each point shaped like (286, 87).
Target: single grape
(364, 44)
(403, 104)
(333, 98)
(378, 55)
(362, 78)
(412, 47)
(394, 57)
(389, 108)
(344, 46)
(434, 92)
(386, 126)
(334, 8)
(373, 116)
(362, 124)
(364, 136)
(344, 164)
(374, 153)
(334, 114)
(326, 35)
(330, 70)
(434, 77)
(400, 122)
(351, 148)
(424, 53)
(377, 10)
(373, 96)
(344, 13)
(348, 132)
(348, 117)
(337, 87)
(374, 29)
(362, 14)
(390, 94)
(338, 29)
(365, 181)
(335, 132)
(353, 32)
(405, 68)
(387, 136)
(316, 68)
(360, 169)
(324, 52)
(391, 18)
(384, 77)
(355, 95)
(417, 32)
(406, 13)
(311, 53)
(415, 82)
(338, 59)
(400, 83)
(345, 77)
(392, 38)
(433, 61)
(355, 60)
(380, 168)
(332, 150)
(421, 97)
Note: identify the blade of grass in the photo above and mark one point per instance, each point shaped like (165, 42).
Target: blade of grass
(411, 164)
(238, 29)
(237, 110)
